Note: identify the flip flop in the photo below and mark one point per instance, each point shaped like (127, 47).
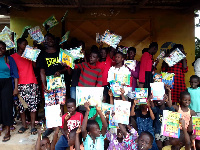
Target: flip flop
(6, 138)
(22, 130)
(12, 128)
(34, 131)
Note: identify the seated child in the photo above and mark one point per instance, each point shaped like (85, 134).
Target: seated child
(194, 91)
(70, 121)
(181, 143)
(75, 137)
(186, 112)
(93, 138)
(160, 105)
(44, 143)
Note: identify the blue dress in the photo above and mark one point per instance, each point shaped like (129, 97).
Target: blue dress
(145, 123)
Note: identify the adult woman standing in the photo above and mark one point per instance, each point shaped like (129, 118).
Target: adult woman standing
(179, 79)
(8, 70)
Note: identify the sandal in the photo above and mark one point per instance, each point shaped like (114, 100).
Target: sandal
(22, 130)
(6, 138)
(34, 131)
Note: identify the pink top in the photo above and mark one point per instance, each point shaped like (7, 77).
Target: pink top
(186, 116)
(105, 66)
(25, 70)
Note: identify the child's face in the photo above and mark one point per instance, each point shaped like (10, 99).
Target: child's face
(185, 101)
(194, 83)
(2, 50)
(144, 142)
(22, 45)
(45, 144)
(93, 58)
(95, 131)
(103, 53)
(118, 58)
(71, 108)
(71, 139)
(160, 102)
(131, 55)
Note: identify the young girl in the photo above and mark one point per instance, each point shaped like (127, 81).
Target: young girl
(93, 138)
(27, 86)
(160, 105)
(144, 119)
(186, 112)
(8, 69)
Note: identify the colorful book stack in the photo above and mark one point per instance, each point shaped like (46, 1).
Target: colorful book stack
(170, 124)
(31, 53)
(157, 90)
(168, 78)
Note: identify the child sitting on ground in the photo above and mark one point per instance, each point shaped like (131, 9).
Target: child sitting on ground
(194, 91)
(70, 121)
(93, 138)
(181, 143)
(186, 112)
(160, 105)
(44, 143)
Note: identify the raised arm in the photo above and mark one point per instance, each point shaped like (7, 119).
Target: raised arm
(150, 110)
(123, 129)
(111, 97)
(37, 145)
(169, 99)
(104, 122)
(122, 94)
(77, 140)
(187, 137)
(85, 120)
(132, 113)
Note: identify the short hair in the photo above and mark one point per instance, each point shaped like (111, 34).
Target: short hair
(118, 52)
(179, 46)
(131, 49)
(153, 44)
(145, 50)
(149, 134)
(71, 100)
(104, 48)
(90, 123)
(20, 40)
(73, 131)
(94, 48)
(45, 137)
(182, 94)
(194, 77)
(95, 52)
(50, 35)
(3, 43)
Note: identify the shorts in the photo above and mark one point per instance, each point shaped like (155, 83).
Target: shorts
(30, 94)
(162, 138)
(56, 96)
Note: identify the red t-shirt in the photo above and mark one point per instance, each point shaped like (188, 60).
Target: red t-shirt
(25, 70)
(74, 122)
(105, 66)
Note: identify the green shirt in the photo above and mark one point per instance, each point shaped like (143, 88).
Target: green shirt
(93, 112)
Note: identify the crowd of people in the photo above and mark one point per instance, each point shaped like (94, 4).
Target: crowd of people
(23, 85)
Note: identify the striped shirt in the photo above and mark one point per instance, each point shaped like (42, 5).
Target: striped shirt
(91, 76)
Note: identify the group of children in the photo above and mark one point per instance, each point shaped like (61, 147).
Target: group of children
(88, 128)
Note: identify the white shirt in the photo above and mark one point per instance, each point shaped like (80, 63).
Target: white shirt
(197, 67)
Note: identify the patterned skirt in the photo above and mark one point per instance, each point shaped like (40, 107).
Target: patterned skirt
(31, 95)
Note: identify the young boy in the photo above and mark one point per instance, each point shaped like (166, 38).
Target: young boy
(91, 75)
(70, 120)
(27, 86)
(194, 91)
(48, 62)
(93, 137)
(134, 73)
